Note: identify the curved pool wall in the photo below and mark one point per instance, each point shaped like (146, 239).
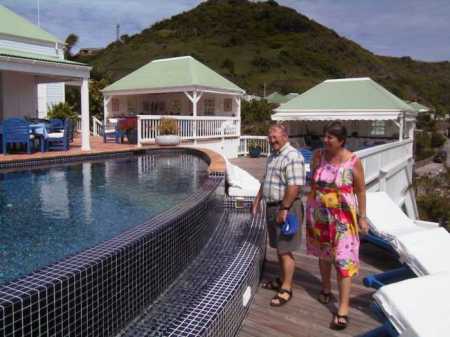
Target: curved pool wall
(98, 291)
(140, 275)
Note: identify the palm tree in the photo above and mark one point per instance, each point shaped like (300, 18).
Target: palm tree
(71, 41)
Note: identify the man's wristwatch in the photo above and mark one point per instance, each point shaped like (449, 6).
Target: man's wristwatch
(284, 208)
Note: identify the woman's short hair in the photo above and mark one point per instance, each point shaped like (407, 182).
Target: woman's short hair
(337, 129)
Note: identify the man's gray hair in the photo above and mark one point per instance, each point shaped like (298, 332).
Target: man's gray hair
(280, 127)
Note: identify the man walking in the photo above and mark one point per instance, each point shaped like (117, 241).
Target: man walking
(285, 173)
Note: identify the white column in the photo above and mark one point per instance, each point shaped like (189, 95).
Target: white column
(402, 127)
(106, 100)
(238, 105)
(85, 145)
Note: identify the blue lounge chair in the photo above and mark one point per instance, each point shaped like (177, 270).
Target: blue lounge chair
(60, 140)
(56, 125)
(16, 131)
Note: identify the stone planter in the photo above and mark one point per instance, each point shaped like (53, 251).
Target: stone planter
(168, 140)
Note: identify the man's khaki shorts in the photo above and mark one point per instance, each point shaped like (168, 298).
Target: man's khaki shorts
(283, 244)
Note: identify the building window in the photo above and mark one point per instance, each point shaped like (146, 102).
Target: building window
(132, 106)
(115, 105)
(146, 107)
(227, 105)
(377, 128)
(209, 106)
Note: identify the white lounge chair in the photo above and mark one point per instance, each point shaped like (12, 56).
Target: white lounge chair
(425, 252)
(241, 183)
(388, 222)
(418, 306)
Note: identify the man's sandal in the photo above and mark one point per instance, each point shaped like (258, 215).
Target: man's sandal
(324, 297)
(274, 284)
(281, 300)
(339, 322)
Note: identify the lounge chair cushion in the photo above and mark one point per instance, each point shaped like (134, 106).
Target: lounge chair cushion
(418, 306)
(387, 220)
(55, 134)
(426, 252)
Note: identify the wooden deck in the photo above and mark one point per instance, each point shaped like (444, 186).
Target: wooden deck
(304, 316)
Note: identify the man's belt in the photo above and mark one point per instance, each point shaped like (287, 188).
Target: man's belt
(273, 203)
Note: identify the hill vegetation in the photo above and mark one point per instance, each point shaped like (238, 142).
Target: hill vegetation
(257, 44)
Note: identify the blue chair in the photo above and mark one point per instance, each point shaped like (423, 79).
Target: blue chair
(56, 125)
(307, 156)
(60, 140)
(16, 131)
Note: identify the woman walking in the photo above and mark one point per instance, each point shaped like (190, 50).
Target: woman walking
(336, 216)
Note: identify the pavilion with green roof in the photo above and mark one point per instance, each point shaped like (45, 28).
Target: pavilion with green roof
(31, 59)
(356, 100)
(181, 87)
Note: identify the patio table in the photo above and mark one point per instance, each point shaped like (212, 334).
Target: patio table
(39, 130)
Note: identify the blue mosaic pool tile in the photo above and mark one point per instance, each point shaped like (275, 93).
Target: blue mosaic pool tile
(97, 292)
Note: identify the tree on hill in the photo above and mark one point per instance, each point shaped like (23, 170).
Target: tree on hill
(71, 41)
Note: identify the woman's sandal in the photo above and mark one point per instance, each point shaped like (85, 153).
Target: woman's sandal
(324, 297)
(339, 322)
(274, 284)
(281, 300)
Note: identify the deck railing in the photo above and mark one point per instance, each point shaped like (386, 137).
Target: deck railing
(78, 124)
(260, 141)
(189, 127)
(97, 127)
(389, 168)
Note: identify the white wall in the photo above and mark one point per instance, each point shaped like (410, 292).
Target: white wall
(228, 148)
(19, 94)
(49, 94)
(48, 49)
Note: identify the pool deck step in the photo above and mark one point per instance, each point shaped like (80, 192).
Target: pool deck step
(207, 299)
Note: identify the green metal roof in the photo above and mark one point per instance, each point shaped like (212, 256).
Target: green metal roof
(173, 72)
(418, 107)
(38, 57)
(277, 98)
(15, 25)
(359, 94)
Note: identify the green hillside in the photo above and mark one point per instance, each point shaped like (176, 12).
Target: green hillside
(263, 43)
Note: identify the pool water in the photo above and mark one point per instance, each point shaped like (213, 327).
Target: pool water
(47, 214)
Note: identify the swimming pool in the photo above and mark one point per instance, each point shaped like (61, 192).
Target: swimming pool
(51, 213)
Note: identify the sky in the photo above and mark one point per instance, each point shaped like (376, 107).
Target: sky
(416, 28)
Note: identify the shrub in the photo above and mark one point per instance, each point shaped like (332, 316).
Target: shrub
(62, 111)
(437, 140)
(168, 126)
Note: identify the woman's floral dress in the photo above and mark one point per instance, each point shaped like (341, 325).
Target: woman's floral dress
(332, 231)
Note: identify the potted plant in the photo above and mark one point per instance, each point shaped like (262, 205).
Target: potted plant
(168, 130)
(254, 150)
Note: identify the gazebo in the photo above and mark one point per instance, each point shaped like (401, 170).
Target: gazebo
(205, 104)
(367, 109)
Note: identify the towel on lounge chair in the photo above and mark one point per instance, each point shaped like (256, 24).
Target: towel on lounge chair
(241, 183)
(418, 306)
(388, 221)
(425, 252)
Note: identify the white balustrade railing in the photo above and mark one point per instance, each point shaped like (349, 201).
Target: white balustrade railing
(389, 168)
(259, 141)
(97, 127)
(78, 124)
(189, 127)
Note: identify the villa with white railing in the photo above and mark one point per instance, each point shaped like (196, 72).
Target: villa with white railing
(206, 106)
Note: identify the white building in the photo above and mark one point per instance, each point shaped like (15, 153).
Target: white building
(33, 71)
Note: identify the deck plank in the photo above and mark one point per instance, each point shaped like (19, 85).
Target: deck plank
(304, 316)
